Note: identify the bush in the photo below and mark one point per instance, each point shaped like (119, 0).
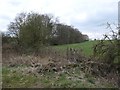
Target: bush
(108, 51)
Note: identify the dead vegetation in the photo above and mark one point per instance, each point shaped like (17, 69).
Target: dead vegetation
(50, 60)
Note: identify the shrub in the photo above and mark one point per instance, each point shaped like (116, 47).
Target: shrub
(108, 51)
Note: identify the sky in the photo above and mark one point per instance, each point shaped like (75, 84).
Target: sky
(89, 16)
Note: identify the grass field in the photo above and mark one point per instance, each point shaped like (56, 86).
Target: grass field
(87, 47)
(20, 77)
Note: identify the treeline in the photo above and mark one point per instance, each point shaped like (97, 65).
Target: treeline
(65, 34)
(35, 30)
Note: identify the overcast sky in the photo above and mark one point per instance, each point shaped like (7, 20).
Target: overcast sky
(89, 16)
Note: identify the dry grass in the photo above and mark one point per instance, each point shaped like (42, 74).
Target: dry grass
(50, 69)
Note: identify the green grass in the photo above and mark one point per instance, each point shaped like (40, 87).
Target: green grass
(87, 47)
(14, 78)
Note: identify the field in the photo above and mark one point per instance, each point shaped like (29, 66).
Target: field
(23, 75)
(87, 47)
